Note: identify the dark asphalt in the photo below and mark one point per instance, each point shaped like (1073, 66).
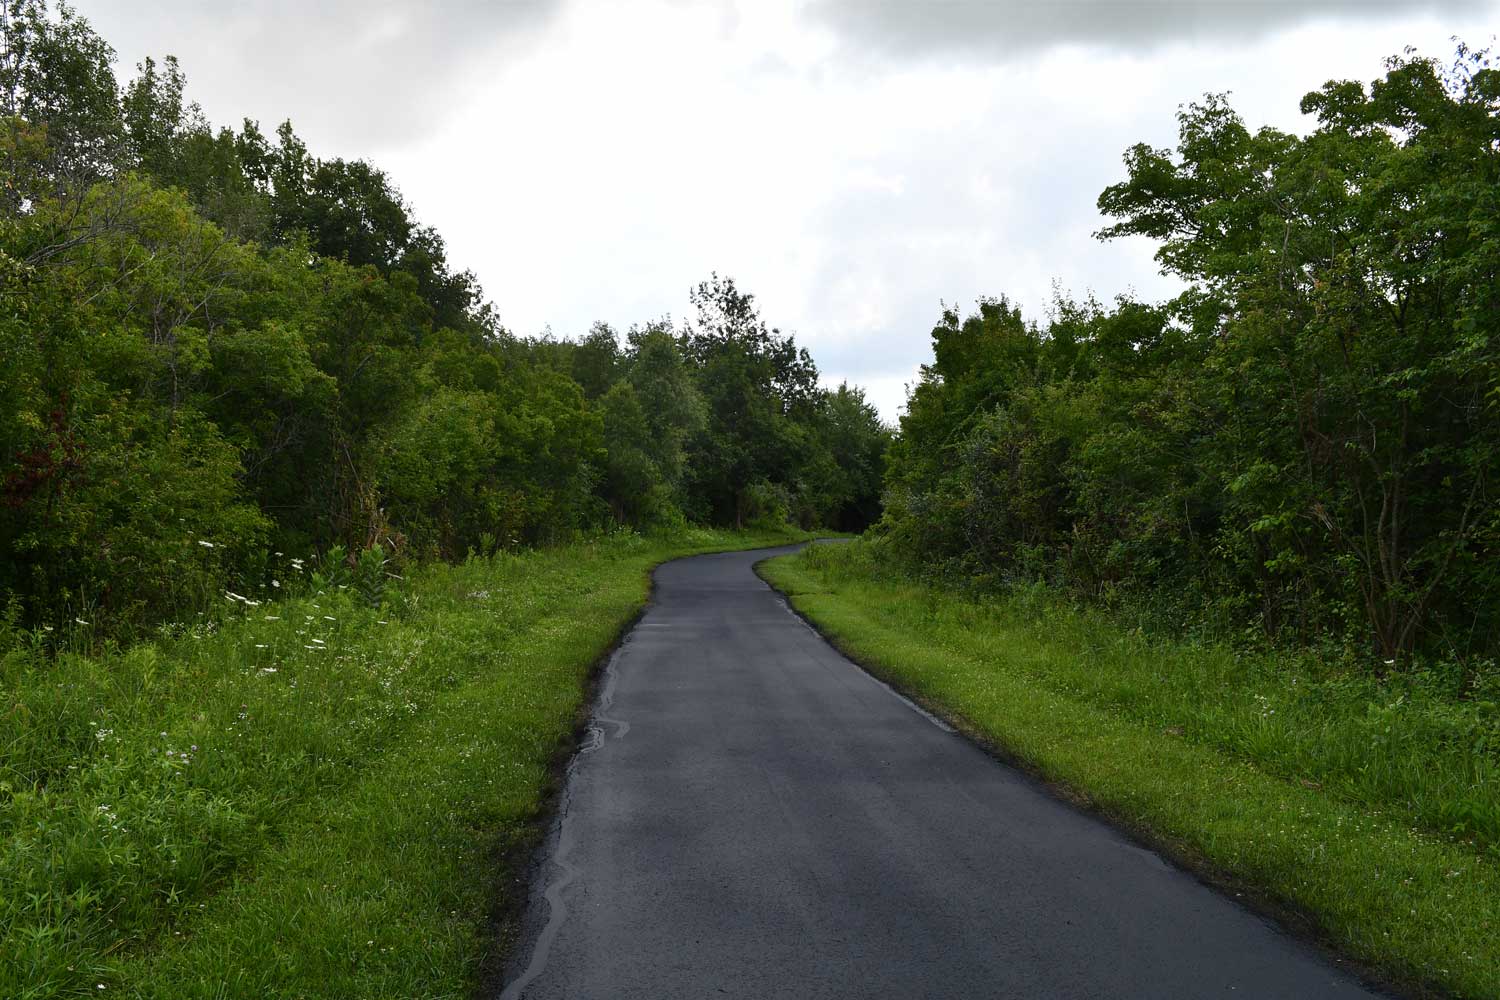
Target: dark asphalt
(754, 816)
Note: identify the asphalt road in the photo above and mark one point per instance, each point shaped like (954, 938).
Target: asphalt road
(754, 816)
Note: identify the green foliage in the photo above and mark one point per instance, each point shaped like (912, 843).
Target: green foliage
(769, 429)
(1303, 442)
(219, 346)
(240, 806)
(369, 576)
(59, 76)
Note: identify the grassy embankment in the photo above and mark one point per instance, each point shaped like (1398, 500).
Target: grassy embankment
(1368, 809)
(311, 798)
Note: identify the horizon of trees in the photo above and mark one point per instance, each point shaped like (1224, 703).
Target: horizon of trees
(224, 353)
(1304, 442)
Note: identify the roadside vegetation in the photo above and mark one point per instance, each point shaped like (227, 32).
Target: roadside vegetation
(1226, 565)
(328, 795)
(304, 556)
(1367, 809)
(219, 347)
(1301, 446)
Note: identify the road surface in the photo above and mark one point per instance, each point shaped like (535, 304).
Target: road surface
(754, 816)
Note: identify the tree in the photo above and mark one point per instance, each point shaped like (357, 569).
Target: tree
(57, 76)
(754, 382)
(1352, 277)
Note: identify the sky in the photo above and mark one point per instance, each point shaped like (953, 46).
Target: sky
(856, 164)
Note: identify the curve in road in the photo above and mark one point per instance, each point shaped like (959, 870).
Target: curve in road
(754, 816)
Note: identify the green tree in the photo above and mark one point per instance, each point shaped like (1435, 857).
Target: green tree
(755, 381)
(1350, 279)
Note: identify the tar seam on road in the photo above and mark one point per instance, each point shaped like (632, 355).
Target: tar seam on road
(557, 910)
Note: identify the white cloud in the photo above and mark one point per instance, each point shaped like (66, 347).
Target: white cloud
(593, 160)
(355, 75)
(1012, 28)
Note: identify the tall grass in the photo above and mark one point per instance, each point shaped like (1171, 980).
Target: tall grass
(307, 797)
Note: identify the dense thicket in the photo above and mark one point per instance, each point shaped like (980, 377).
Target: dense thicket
(1306, 438)
(223, 353)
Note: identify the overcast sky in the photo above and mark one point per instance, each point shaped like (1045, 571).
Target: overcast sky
(854, 163)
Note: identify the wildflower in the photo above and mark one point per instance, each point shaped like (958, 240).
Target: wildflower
(260, 645)
(264, 670)
(276, 583)
(329, 618)
(206, 545)
(80, 621)
(273, 618)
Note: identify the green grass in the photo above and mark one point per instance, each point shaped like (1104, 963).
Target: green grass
(310, 798)
(1365, 808)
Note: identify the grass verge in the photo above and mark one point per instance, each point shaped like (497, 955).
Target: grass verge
(1326, 798)
(315, 797)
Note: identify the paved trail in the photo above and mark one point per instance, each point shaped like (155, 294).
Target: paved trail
(755, 817)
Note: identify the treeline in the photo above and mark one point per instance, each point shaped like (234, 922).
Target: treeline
(223, 353)
(1304, 442)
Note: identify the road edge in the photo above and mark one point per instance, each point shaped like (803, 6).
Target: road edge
(511, 932)
(1293, 921)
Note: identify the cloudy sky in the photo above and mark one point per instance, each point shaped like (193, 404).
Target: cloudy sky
(854, 163)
